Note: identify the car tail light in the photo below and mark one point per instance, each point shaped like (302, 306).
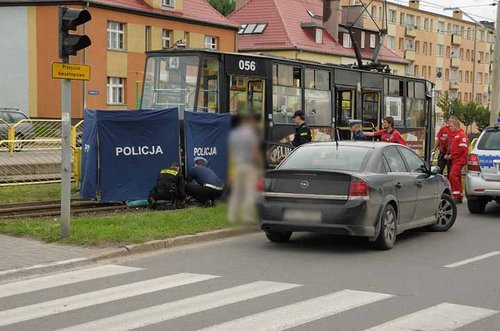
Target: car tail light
(473, 163)
(358, 188)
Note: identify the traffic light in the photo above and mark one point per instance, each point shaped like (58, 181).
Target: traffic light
(69, 19)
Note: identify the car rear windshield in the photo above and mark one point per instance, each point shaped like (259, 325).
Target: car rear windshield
(490, 140)
(328, 157)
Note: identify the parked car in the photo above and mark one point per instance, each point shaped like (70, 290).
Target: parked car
(25, 130)
(482, 183)
(374, 190)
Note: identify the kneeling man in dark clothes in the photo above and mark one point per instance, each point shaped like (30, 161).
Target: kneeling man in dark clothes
(204, 185)
(169, 186)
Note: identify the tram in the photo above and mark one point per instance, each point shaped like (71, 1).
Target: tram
(273, 88)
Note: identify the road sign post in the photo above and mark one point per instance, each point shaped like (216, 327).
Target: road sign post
(69, 44)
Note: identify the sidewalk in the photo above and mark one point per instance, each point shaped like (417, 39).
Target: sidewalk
(17, 254)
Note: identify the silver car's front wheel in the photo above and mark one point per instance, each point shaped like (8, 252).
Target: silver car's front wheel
(446, 214)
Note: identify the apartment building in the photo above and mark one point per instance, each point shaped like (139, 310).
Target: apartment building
(121, 32)
(454, 53)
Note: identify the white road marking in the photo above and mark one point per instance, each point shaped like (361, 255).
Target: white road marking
(471, 260)
(175, 309)
(443, 317)
(48, 308)
(39, 266)
(300, 313)
(61, 279)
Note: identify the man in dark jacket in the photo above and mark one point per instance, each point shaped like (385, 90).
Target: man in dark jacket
(169, 186)
(203, 183)
(302, 131)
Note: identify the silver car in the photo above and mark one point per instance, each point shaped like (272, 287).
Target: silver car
(25, 130)
(482, 183)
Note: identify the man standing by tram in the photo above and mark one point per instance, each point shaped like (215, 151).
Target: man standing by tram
(457, 156)
(357, 132)
(388, 134)
(302, 131)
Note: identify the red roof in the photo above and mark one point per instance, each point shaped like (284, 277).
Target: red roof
(284, 31)
(197, 10)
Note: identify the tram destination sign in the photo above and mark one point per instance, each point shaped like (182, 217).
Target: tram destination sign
(70, 71)
(247, 66)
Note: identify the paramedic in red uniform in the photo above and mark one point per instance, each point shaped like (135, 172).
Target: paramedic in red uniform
(442, 144)
(457, 155)
(388, 134)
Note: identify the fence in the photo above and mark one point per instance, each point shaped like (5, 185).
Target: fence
(30, 151)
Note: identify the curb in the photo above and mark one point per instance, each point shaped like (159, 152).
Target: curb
(128, 250)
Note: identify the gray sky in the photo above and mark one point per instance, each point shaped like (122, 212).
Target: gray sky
(479, 9)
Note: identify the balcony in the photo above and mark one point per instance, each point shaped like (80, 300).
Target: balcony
(455, 62)
(410, 55)
(456, 39)
(410, 31)
(454, 85)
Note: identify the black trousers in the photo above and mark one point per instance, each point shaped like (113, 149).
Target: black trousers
(167, 196)
(202, 193)
(443, 163)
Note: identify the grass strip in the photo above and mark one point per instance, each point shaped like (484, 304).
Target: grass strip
(33, 192)
(123, 228)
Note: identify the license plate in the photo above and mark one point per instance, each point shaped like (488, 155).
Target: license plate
(297, 215)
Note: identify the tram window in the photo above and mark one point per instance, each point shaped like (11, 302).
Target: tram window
(411, 90)
(420, 90)
(395, 87)
(287, 93)
(209, 86)
(175, 85)
(415, 113)
(318, 97)
(346, 99)
(370, 107)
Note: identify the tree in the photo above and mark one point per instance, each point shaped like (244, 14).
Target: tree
(468, 115)
(482, 118)
(225, 7)
(444, 103)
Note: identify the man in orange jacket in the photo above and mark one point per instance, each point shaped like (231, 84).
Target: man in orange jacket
(457, 155)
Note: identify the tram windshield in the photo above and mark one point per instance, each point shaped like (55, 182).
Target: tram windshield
(172, 81)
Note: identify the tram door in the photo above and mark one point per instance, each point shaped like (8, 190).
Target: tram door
(345, 111)
(246, 95)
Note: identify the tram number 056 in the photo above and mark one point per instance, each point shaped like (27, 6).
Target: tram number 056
(247, 65)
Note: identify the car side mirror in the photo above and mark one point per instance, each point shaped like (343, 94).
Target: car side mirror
(435, 170)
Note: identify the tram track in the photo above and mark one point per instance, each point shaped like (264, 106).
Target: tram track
(36, 210)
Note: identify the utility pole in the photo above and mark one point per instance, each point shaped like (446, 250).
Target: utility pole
(495, 98)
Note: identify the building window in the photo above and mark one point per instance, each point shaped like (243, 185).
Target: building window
(168, 3)
(211, 42)
(448, 51)
(466, 98)
(391, 42)
(424, 71)
(478, 97)
(363, 37)
(469, 33)
(426, 24)
(440, 27)
(373, 40)
(460, 96)
(116, 91)
(471, 79)
(487, 59)
(447, 74)
(401, 44)
(467, 76)
(480, 57)
(402, 19)
(346, 42)
(430, 48)
(319, 36)
(479, 78)
(460, 76)
(417, 70)
(439, 50)
(147, 38)
(374, 12)
(186, 39)
(425, 47)
(417, 46)
(461, 53)
(410, 20)
(467, 55)
(486, 79)
(439, 73)
(392, 16)
(116, 34)
(165, 38)
(419, 22)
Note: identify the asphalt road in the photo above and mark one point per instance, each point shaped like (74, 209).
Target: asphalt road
(314, 282)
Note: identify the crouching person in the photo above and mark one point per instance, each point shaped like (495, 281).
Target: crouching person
(169, 187)
(204, 185)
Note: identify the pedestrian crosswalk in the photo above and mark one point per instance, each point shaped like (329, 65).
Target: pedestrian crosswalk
(296, 313)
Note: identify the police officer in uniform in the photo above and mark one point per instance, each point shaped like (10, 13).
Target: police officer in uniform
(302, 131)
(357, 133)
(169, 186)
(203, 183)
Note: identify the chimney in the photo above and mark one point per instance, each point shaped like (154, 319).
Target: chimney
(331, 17)
(457, 14)
(415, 4)
(239, 4)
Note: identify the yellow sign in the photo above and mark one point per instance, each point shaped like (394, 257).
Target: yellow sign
(70, 71)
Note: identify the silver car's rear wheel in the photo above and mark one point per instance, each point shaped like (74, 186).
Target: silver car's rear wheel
(446, 214)
(388, 229)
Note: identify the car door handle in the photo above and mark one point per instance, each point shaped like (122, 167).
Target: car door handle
(419, 184)
(398, 185)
